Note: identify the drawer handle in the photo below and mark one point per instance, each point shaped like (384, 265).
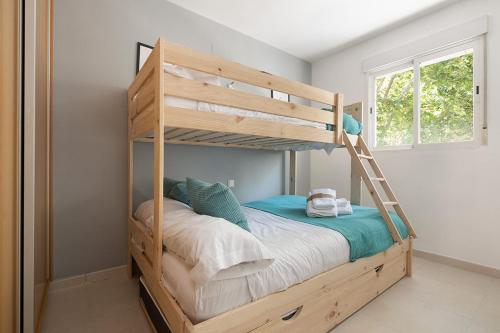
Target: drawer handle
(378, 269)
(292, 314)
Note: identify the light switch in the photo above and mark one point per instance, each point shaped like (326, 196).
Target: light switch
(230, 183)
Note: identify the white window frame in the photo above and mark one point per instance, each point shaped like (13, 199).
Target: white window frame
(479, 116)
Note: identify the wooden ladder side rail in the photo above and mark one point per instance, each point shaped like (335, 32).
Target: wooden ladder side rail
(373, 191)
(387, 188)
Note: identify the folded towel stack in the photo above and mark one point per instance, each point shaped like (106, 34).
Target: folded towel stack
(323, 202)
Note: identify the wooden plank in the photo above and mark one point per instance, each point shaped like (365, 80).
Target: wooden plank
(159, 144)
(142, 237)
(143, 124)
(355, 110)
(230, 138)
(177, 133)
(293, 173)
(192, 136)
(200, 91)
(185, 57)
(263, 311)
(210, 121)
(9, 163)
(338, 118)
(144, 97)
(210, 144)
(356, 185)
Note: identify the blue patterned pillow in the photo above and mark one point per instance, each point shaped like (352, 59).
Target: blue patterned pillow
(168, 184)
(176, 189)
(216, 200)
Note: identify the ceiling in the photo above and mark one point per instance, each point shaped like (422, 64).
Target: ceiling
(310, 29)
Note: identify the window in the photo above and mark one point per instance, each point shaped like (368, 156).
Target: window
(431, 99)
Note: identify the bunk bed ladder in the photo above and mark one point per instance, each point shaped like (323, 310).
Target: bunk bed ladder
(359, 152)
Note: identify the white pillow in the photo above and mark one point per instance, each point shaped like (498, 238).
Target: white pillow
(213, 247)
(191, 74)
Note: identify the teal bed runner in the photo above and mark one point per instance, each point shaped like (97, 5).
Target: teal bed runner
(365, 229)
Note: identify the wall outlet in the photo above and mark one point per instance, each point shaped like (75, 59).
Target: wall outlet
(230, 183)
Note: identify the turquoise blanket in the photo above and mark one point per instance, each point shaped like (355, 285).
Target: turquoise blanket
(365, 229)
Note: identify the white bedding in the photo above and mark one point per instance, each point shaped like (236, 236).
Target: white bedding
(301, 251)
(229, 110)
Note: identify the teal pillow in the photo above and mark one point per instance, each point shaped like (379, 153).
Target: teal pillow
(350, 124)
(179, 192)
(216, 200)
(168, 184)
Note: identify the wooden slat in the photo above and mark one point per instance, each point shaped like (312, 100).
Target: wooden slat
(192, 136)
(187, 118)
(142, 124)
(200, 91)
(175, 134)
(338, 118)
(230, 138)
(210, 136)
(183, 56)
(355, 110)
(210, 144)
(144, 97)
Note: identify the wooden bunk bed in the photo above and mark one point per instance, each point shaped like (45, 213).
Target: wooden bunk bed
(318, 304)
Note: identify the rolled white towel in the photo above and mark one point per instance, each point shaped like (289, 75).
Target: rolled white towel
(344, 207)
(323, 198)
(311, 212)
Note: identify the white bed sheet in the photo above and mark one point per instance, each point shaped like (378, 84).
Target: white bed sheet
(301, 251)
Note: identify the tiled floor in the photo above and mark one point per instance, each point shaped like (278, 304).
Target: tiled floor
(437, 298)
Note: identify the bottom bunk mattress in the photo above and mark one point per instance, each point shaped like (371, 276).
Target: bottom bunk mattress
(300, 252)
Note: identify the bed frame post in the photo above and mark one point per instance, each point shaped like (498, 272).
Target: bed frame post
(293, 173)
(355, 180)
(338, 117)
(159, 147)
(355, 110)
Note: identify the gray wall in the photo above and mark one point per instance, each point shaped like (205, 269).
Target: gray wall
(94, 64)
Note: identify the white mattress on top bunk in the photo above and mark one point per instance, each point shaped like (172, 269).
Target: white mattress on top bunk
(234, 111)
(300, 251)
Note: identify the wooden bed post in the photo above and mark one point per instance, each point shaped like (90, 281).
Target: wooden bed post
(338, 117)
(159, 146)
(293, 173)
(355, 181)
(356, 111)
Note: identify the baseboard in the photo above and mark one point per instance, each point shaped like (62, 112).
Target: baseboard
(79, 280)
(465, 265)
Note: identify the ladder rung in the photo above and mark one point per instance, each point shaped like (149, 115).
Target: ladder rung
(378, 179)
(391, 203)
(365, 156)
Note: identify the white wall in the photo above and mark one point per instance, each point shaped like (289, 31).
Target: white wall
(450, 195)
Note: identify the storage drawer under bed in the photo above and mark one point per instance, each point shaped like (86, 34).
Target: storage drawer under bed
(332, 304)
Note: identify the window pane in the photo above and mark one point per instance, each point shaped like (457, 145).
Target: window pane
(447, 99)
(394, 101)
